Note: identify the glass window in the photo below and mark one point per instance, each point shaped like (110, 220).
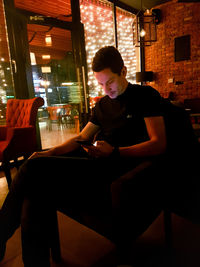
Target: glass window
(6, 81)
(97, 17)
(57, 9)
(54, 79)
(125, 37)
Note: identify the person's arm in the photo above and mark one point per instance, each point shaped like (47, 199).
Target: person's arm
(154, 146)
(87, 133)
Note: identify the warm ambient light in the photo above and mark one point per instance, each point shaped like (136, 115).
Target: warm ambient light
(145, 25)
(97, 17)
(48, 40)
(46, 69)
(142, 33)
(45, 83)
(67, 83)
(46, 56)
(33, 59)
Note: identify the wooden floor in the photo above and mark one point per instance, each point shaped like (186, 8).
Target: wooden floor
(3, 188)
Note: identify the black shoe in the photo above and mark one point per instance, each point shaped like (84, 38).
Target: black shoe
(2, 250)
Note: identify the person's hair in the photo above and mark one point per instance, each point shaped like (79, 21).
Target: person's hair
(108, 57)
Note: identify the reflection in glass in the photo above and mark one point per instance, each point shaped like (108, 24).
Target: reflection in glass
(54, 79)
(57, 9)
(125, 36)
(97, 17)
(6, 82)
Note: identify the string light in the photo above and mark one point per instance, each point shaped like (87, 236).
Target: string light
(97, 18)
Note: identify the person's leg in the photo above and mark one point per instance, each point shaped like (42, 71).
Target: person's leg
(32, 178)
(2, 250)
(10, 212)
(77, 184)
(71, 184)
(36, 230)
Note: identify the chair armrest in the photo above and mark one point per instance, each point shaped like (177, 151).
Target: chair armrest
(123, 183)
(21, 141)
(3, 132)
(19, 133)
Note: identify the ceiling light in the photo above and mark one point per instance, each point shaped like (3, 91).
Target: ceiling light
(144, 28)
(67, 83)
(46, 56)
(33, 59)
(142, 33)
(48, 40)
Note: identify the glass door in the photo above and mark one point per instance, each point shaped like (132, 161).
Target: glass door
(59, 79)
(6, 75)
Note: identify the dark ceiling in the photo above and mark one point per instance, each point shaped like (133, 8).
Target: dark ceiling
(146, 4)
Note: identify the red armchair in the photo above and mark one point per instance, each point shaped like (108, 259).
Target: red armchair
(18, 136)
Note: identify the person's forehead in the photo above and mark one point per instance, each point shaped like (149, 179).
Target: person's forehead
(104, 74)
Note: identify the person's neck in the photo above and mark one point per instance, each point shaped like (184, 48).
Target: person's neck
(125, 85)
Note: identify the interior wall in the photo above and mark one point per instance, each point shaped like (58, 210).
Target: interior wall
(183, 77)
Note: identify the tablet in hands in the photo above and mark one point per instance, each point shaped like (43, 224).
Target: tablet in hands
(84, 142)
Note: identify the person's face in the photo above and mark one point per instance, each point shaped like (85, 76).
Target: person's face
(112, 83)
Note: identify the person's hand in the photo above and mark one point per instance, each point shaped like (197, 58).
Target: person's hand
(40, 154)
(99, 149)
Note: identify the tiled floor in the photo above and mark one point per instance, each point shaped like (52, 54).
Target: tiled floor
(56, 135)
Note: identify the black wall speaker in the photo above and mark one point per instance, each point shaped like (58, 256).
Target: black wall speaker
(144, 76)
(157, 14)
(182, 48)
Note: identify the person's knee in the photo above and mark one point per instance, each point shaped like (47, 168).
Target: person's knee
(28, 170)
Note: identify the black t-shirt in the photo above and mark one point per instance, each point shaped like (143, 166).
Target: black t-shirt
(121, 120)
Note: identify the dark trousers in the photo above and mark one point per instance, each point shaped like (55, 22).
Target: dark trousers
(79, 186)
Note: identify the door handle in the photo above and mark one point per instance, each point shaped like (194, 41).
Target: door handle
(14, 65)
(85, 89)
(79, 84)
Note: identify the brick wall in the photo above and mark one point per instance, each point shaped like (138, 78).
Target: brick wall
(178, 19)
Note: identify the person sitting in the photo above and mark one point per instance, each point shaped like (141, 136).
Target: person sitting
(130, 126)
